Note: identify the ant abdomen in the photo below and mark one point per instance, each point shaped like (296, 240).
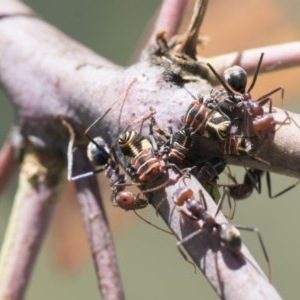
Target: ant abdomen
(128, 201)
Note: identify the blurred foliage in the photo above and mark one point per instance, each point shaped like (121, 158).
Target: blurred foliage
(150, 264)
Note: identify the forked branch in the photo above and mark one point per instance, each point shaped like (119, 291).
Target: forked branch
(79, 86)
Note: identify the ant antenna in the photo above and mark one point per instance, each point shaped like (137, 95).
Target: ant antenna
(232, 207)
(191, 94)
(256, 72)
(223, 83)
(123, 102)
(151, 224)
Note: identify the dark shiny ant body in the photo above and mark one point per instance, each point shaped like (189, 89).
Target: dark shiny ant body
(236, 102)
(252, 181)
(228, 234)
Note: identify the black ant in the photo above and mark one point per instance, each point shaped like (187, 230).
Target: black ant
(238, 104)
(252, 180)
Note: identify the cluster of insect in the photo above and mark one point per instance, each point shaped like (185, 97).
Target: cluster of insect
(228, 116)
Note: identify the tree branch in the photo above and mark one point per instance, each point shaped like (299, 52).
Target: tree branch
(168, 19)
(98, 231)
(224, 269)
(191, 36)
(277, 57)
(8, 164)
(40, 184)
(54, 78)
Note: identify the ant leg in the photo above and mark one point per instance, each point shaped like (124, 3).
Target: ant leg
(153, 143)
(98, 120)
(264, 249)
(232, 207)
(142, 120)
(253, 178)
(181, 175)
(202, 199)
(184, 240)
(189, 237)
(222, 82)
(268, 177)
(70, 158)
(163, 132)
(256, 153)
(179, 247)
(158, 187)
(266, 97)
(231, 176)
(151, 224)
(123, 103)
(256, 73)
(109, 109)
(287, 121)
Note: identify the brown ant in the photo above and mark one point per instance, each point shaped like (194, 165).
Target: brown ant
(228, 234)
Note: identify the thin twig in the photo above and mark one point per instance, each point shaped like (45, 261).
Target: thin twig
(8, 164)
(168, 19)
(77, 89)
(99, 234)
(191, 36)
(40, 185)
(277, 57)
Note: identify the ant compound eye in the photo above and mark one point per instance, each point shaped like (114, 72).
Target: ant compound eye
(236, 77)
(98, 152)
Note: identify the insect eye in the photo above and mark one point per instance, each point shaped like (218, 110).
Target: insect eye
(98, 152)
(236, 77)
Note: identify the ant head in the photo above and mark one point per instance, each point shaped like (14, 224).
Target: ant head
(236, 77)
(98, 152)
(129, 201)
(230, 236)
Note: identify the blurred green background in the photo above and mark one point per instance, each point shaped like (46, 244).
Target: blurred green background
(150, 264)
